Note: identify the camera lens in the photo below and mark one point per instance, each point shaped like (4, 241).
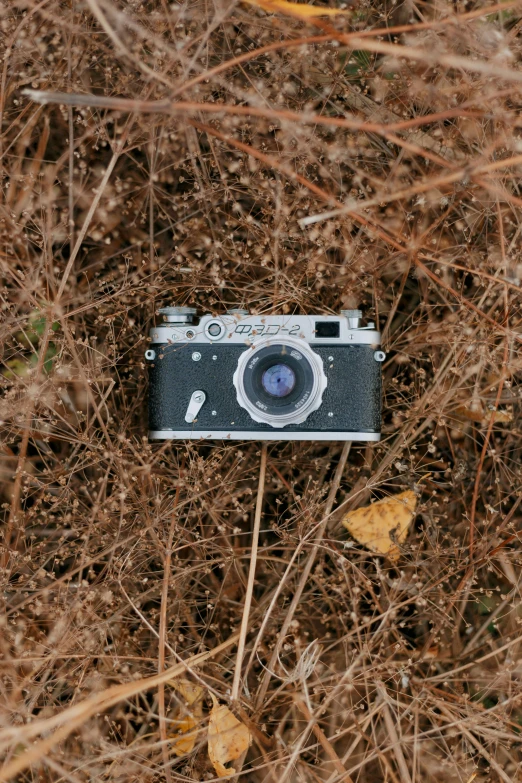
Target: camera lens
(278, 380)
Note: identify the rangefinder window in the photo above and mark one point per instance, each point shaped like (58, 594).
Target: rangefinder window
(327, 329)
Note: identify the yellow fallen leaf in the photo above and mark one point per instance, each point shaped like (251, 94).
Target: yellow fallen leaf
(228, 738)
(301, 10)
(184, 734)
(500, 417)
(191, 692)
(384, 524)
(470, 412)
(481, 415)
(183, 728)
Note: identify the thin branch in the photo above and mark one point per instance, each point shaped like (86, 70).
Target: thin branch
(305, 575)
(251, 576)
(66, 721)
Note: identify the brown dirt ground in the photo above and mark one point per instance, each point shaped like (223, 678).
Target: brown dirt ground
(121, 558)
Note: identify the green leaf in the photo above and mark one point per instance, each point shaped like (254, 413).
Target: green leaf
(486, 604)
(49, 356)
(15, 368)
(359, 63)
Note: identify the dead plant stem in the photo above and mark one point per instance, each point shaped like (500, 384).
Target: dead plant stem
(72, 717)
(163, 631)
(236, 684)
(305, 574)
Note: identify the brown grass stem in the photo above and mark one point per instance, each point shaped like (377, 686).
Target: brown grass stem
(236, 683)
(303, 580)
(72, 717)
(227, 156)
(163, 628)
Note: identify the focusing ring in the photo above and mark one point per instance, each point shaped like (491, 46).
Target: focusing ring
(293, 408)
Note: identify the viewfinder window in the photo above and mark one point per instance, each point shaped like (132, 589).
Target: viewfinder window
(327, 328)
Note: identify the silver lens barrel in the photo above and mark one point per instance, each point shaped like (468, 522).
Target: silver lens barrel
(284, 408)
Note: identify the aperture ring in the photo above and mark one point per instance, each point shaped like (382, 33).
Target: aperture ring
(296, 406)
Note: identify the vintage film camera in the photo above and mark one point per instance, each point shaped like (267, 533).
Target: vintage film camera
(238, 376)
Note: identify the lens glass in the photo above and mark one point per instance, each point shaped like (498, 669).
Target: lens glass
(278, 380)
(214, 330)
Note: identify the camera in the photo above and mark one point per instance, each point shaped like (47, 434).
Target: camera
(238, 376)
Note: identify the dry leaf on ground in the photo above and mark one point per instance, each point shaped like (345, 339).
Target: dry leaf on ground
(483, 416)
(384, 524)
(183, 732)
(183, 726)
(301, 10)
(191, 692)
(228, 738)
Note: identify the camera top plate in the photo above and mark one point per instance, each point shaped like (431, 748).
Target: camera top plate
(235, 328)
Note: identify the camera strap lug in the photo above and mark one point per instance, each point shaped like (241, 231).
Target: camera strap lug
(195, 405)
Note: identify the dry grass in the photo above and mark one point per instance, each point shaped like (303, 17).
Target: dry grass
(288, 167)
